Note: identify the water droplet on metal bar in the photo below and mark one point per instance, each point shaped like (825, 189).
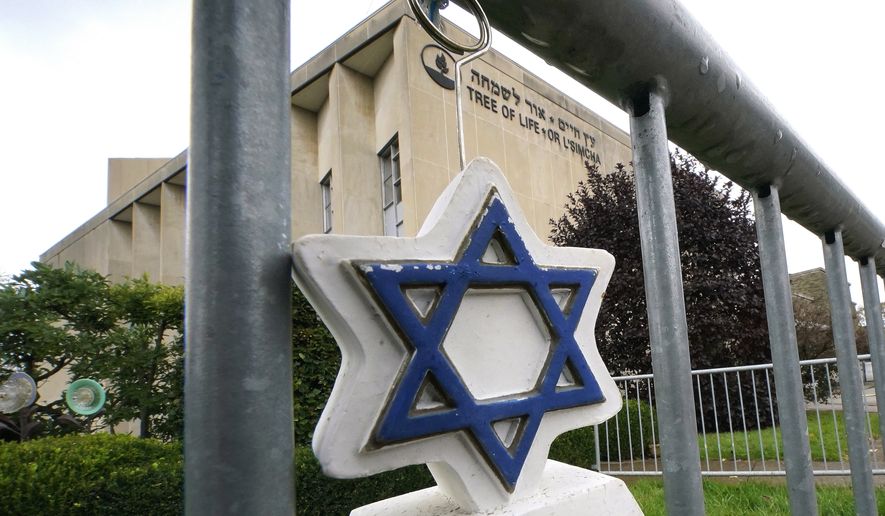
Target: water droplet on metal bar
(721, 82)
(704, 65)
(536, 41)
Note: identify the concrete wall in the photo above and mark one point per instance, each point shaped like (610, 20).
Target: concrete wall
(147, 237)
(146, 256)
(532, 131)
(307, 215)
(119, 249)
(172, 234)
(89, 251)
(358, 193)
(125, 173)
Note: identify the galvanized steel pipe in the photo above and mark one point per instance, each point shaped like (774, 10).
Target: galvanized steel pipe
(784, 352)
(616, 47)
(849, 375)
(238, 428)
(875, 332)
(667, 325)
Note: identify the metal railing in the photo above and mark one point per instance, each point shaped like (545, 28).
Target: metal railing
(740, 435)
(656, 61)
(649, 56)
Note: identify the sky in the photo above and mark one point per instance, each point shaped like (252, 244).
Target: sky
(85, 80)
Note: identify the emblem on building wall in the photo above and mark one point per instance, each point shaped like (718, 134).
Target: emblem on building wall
(469, 348)
(440, 65)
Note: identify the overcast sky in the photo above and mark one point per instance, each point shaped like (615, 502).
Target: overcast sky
(85, 80)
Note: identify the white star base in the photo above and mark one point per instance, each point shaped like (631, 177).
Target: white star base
(564, 490)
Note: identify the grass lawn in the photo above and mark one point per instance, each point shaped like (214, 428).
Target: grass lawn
(749, 498)
(826, 429)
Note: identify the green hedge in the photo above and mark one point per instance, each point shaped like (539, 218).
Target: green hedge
(120, 475)
(633, 442)
(320, 495)
(90, 475)
(578, 447)
(103, 474)
(317, 494)
(315, 363)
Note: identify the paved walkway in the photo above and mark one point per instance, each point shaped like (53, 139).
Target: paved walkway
(835, 403)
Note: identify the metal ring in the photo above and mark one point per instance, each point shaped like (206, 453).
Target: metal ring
(449, 44)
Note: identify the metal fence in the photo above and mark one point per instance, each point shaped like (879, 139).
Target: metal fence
(651, 57)
(738, 431)
(655, 60)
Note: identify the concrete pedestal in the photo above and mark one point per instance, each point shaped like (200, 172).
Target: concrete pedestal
(564, 490)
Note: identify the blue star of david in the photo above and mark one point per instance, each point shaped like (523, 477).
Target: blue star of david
(428, 366)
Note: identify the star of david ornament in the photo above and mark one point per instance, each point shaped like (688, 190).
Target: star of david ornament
(469, 347)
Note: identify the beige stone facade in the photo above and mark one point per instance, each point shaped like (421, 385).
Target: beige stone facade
(141, 231)
(365, 109)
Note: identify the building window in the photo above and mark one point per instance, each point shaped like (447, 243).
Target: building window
(326, 187)
(391, 189)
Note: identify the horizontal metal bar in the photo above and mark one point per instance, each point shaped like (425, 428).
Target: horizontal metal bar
(754, 367)
(714, 111)
(843, 472)
(633, 377)
(733, 369)
(819, 361)
(732, 473)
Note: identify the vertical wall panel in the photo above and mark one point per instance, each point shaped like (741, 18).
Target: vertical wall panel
(146, 241)
(172, 234)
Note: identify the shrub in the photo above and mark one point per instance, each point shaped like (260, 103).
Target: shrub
(321, 495)
(122, 475)
(578, 447)
(91, 474)
(118, 475)
(823, 386)
(315, 362)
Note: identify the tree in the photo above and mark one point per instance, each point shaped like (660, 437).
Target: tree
(811, 307)
(814, 331)
(69, 321)
(720, 270)
(878, 316)
(141, 358)
(48, 316)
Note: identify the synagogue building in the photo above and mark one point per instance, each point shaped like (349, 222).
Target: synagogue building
(373, 145)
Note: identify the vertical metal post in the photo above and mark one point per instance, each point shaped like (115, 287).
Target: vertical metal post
(238, 364)
(869, 283)
(668, 329)
(596, 447)
(849, 376)
(784, 351)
